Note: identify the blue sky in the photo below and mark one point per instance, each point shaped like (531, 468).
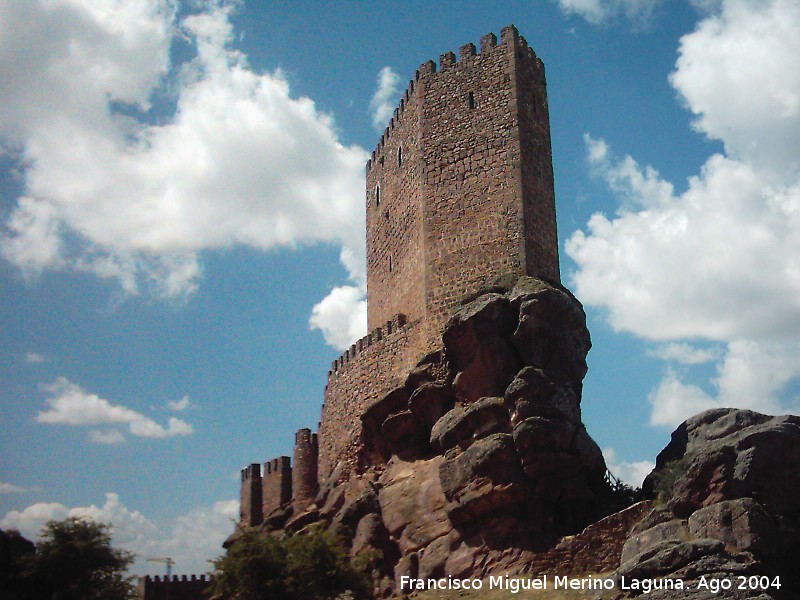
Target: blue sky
(181, 252)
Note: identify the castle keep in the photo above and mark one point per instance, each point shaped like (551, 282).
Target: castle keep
(459, 192)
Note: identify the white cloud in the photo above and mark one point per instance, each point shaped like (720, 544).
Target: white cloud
(342, 316)
(69, 404)
(34, 358)
(191, 540)
(684, 353)
(138, 198)
(179, 405)
(639, 12)
(631, 473)
(718, 262)
(386, 98)
(739, 73)
(109, 437)
(10, 488)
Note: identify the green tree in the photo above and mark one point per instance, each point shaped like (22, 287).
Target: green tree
(319, 567)
(253, 569)
(74, 560)
(312, 565)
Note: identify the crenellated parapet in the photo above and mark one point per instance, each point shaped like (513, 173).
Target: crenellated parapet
(251, 500)
(277, 484)
(398, 324)
(510, 38)
(177, 587)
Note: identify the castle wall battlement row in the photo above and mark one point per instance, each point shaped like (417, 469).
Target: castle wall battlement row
(177, 578)
(371, 372)
(177, 587)
(446, 61)
(264, 491)
(373, 337)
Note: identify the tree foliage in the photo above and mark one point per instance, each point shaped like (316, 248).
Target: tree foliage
(74, 560)
(311, 566)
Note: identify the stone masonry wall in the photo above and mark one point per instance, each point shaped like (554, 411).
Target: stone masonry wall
(460, 186)
(304, 473)
(373, 366)
(473, 138)
(276, 483)
(395, 261)
(597, 549)
(178, 587)
(536, 178)
(250, 504)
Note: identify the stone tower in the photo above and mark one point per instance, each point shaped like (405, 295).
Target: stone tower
(459, 193)
(460, 187)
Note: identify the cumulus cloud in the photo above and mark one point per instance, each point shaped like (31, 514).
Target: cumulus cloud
(191, 540)
(639, 12)
(386, 98)
(718, 262)
(684, 353)
(179, 405)
(341, 316)
(10, 488)
(121, 187)
(631, 473)
(69, 404)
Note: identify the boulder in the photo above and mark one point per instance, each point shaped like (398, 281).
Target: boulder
(741, 524)
(533, 394)
(429, 402)
(552, 334)
(484, 478)
(732, 477)
(464, 424)
(412, 503)
(734, 454)
(432, 368)
(401, 431)
(493, 365)
(380, 410)
(488, 316)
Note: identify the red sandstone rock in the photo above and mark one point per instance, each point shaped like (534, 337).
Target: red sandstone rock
(465, 424)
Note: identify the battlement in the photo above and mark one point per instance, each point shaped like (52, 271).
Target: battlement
(398, 323)
(509, 38)
(276, 484)
(251, 503)
(304, 473)
(178, 578)
(177, 587)
(277, 465)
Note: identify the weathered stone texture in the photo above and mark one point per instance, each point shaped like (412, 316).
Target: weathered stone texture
(730, 506)
(276, 484)
(251, 502)
(373, 366)
(304, 474)
(460, 187)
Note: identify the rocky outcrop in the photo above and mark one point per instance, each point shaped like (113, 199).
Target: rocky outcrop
(728, 484)
(480, 459)
(479, 462)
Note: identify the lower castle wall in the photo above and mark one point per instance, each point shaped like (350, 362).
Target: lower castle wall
(174, 588)
(597, 549)
(374, 365)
